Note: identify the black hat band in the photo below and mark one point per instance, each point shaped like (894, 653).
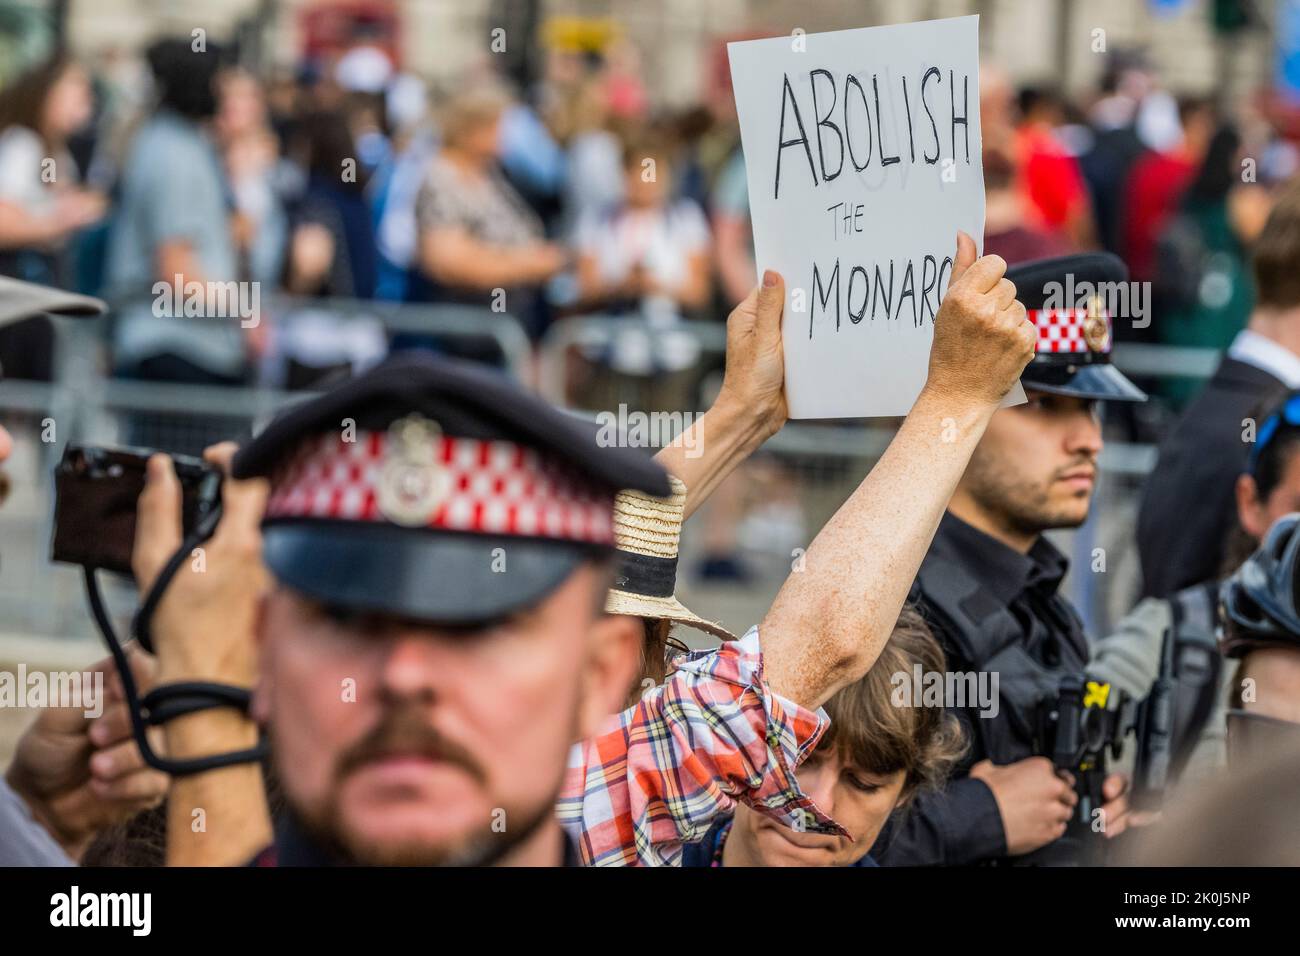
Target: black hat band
(645, 574)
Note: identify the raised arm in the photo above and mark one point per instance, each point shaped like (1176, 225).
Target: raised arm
(750, 407)
(830, 619)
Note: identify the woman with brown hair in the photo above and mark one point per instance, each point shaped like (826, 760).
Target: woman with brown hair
(876, 753)
(41, 205)
(875, 756)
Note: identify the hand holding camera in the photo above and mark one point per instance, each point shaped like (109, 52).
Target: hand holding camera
(190, 534)
(203, 624)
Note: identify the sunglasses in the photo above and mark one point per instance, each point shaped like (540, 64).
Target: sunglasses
(1289, 413)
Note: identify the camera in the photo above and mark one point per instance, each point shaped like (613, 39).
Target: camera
(95, 494)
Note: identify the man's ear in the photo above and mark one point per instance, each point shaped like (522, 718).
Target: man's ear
(1250, 510)
(613, 662)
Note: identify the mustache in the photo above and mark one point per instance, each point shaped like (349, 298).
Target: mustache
(405, 731)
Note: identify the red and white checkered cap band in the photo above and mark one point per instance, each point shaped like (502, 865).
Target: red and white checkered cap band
(484, 487)
(1062, 330)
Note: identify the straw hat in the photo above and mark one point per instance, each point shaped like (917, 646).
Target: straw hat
(646, 533)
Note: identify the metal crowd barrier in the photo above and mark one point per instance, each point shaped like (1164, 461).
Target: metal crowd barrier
(809, 468)
(867, 438)
(444, 320)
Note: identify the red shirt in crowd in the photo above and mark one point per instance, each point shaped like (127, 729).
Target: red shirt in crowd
(1155, 186)
(1050, 181)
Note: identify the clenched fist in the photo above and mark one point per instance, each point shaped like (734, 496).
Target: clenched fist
(1035, 801)
(982, 338)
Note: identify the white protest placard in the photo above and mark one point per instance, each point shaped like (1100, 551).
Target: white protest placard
(862, 151)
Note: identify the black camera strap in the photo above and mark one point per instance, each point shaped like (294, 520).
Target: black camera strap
(171, 700)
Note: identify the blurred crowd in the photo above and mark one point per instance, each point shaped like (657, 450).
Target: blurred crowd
(345, 180)
(573, 193)
(1178, 187)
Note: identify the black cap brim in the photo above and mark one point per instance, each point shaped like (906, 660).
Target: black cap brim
(1099, 381)
(438, 577)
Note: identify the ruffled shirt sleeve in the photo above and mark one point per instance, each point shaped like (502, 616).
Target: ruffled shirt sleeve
(660, 774)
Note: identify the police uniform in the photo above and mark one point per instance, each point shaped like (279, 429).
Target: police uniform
(411, 488)
(996, 610)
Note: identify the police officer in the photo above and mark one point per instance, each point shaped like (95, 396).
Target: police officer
(438, 542)
(989, 585)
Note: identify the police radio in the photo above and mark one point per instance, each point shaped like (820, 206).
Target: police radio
(1152, 767)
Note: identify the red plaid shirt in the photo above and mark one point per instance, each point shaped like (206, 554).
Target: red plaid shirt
(662, 772)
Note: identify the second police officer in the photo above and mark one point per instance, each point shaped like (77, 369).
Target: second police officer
(989, 587)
